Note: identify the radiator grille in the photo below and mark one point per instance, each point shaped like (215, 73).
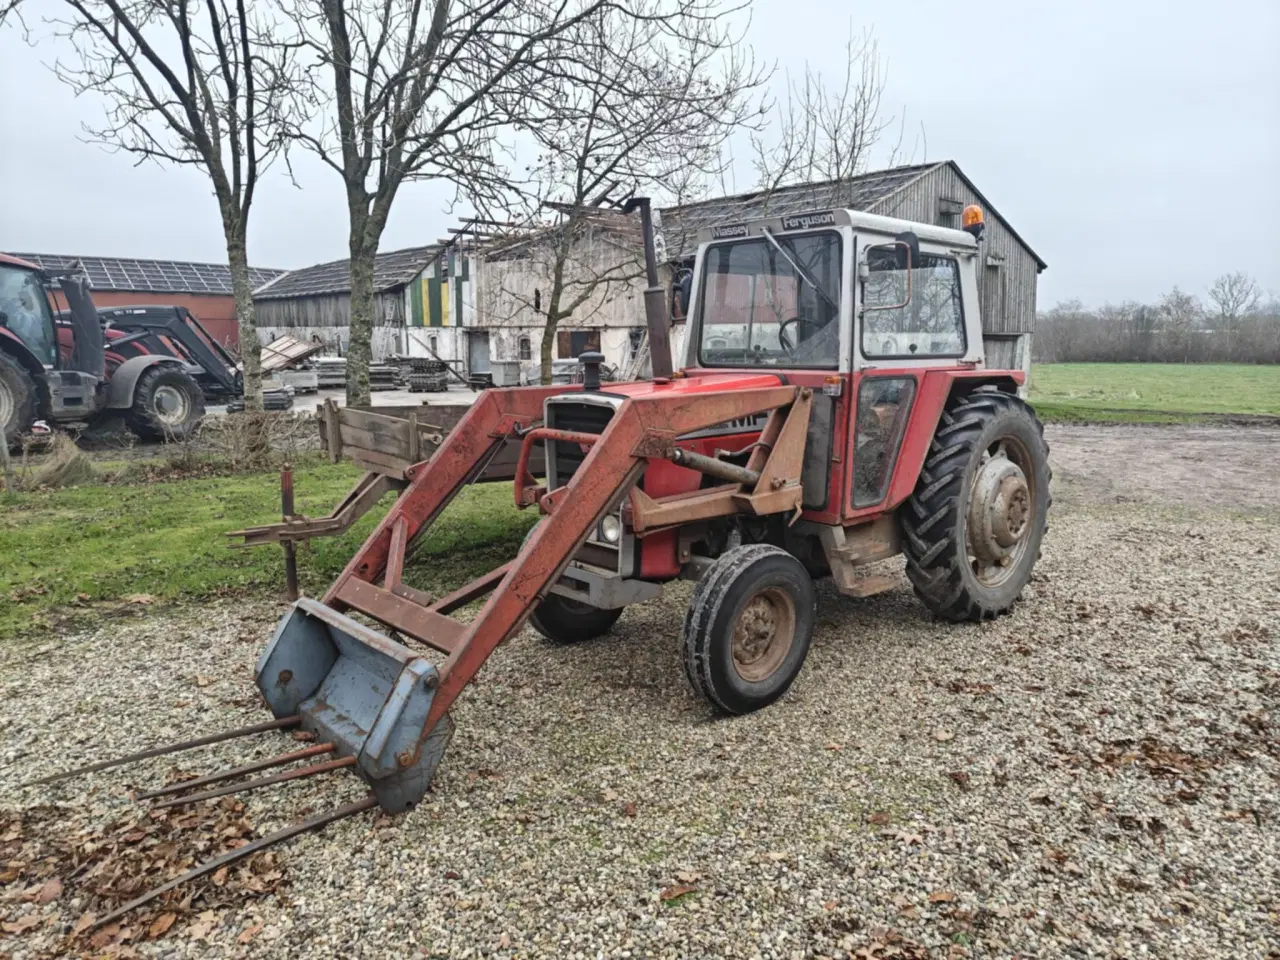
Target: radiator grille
(565, 458)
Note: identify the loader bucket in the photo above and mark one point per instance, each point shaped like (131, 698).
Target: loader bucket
(361, 691)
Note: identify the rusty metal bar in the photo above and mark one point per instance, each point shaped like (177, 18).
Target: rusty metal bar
(261, 782)
(280, 724)
(277, 761)
(433, 629)
(290, 551)
(476, 588)
(720, 469)
(395, 555)
(314, 823)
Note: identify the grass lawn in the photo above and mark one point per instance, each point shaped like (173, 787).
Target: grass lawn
(1153, 392)
(66, 550)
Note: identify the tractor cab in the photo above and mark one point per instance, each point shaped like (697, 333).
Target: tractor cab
(25, 315)
(836, 291)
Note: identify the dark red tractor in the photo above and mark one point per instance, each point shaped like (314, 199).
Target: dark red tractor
(70, 372)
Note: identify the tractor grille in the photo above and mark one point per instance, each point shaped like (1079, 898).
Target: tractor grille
(565, 458)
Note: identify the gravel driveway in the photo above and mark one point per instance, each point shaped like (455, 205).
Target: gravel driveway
(1093, 776)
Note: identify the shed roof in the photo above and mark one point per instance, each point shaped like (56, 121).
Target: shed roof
(867, 191)
(392, 269)
(149, 276)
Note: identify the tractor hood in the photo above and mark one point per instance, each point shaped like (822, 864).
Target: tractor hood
(684, 386)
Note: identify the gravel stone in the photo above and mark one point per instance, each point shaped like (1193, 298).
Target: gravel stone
(1106, 785)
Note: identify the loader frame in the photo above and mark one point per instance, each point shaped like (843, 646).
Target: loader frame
(644, 428)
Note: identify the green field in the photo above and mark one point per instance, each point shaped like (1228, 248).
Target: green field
(71, 553)
(1153, 392)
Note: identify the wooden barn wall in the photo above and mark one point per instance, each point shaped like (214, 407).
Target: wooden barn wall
(1007, 293)
(326, 319)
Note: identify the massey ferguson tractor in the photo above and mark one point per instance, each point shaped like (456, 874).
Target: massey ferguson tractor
(833, 409)
(77, 372)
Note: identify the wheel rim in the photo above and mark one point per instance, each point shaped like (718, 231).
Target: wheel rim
(1001, 511)
(763, 634)
(7, 405)
(171, 405)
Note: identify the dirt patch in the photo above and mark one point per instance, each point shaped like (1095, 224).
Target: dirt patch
(1199, 466)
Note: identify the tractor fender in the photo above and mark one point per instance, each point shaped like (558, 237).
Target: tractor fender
(120, 388)
(935, 389)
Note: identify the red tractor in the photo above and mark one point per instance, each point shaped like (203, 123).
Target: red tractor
(833, 409)
(72, 372)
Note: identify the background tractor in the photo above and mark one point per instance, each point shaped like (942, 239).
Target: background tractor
(73, 370)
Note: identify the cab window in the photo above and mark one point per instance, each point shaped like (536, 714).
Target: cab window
(26, 311)
(911, 309)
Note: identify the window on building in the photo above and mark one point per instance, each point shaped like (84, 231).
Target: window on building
(571, 344)
(526, 349)
(435, 344)
(949, 212)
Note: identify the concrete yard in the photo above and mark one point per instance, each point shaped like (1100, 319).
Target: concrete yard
(1092, 776)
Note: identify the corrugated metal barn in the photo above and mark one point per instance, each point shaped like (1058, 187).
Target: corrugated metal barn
(203, 288)
(934, 193)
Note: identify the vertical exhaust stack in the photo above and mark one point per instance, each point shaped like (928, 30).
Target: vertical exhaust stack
(655, 301)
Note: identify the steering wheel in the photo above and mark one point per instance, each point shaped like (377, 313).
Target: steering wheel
(784, 340)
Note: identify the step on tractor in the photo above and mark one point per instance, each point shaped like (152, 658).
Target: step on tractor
(833, 410)
(71, 369)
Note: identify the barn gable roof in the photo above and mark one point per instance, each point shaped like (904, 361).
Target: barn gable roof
(128, 275)
(867, 191)
(391, 270)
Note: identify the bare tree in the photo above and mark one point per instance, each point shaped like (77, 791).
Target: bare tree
(191, 84)
(419, 90)
(637, 101)
(1236, 295)
(824, 130)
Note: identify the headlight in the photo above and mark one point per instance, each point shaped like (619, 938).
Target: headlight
(611, 529)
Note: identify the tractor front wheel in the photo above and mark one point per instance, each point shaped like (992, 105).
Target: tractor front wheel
(17, 400)
(168, 404)
(973, 528)
(564, 621)
(748, 628)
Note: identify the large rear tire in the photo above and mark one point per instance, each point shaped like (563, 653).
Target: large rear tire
(168, 404)
(18, 399)
(973, 528)
(748, 628)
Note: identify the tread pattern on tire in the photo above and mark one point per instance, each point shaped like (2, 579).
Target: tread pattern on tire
(929, 517)
(704, 608)
(141, 423)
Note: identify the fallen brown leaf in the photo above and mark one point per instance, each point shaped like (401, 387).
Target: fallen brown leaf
(249, 933)
(880, 819)
(220, 876)
(688, 876)
(630, 808)
(675, 890)
(834, 746)
(30, 921)
(203, 681)
(941, 896)
(942, 735)
(83, 924)
(50, 892)
(160, 926)
(141, 598)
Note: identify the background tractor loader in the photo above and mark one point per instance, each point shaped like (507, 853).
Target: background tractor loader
(77, 372)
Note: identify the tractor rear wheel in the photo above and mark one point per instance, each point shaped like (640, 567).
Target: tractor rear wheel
(748, 628)
(973, 528)
(17, 399)
(168, 404)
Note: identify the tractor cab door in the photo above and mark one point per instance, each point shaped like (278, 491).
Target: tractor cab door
(909, 316)
(25, 313)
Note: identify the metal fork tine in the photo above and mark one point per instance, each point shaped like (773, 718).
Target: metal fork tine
(320, 820)
(259, 783)
(277, 761)
(279, 724)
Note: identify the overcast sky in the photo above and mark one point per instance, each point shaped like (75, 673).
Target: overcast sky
(1135, 144)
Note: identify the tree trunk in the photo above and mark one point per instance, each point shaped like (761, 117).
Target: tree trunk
(359, 351)
(250, 343)
(548, 346)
